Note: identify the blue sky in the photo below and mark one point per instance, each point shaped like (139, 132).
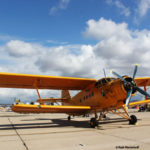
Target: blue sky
(73, 38)
(33, 21)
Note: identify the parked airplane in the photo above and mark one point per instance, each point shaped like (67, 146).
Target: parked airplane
(96, 96)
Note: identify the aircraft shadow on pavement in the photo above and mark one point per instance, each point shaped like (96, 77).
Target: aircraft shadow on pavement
(55, 123)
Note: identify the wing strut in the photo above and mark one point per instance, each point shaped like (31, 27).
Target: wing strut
(145, 91)
(37, 90)
(38, 93)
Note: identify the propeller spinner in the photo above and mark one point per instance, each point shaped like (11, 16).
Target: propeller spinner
(130, 85)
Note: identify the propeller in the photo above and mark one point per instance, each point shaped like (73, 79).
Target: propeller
(116, 74)
(142, 91)
(128, 97)
(135, 71)
(130, 85)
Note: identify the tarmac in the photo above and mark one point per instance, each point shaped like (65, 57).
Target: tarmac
(54, 132)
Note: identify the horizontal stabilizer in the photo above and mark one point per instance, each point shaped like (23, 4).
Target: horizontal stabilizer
(51, 100)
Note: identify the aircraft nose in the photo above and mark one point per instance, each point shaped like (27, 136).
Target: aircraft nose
(129, 85)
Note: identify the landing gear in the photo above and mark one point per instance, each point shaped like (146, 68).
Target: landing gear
(93, 122)
(69, 118)
(132, 120)
(104, 116)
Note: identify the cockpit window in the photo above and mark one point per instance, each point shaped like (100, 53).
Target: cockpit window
(104, 81)
(98, 84)
(108, 79)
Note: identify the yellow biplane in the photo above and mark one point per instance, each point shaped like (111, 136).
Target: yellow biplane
(95, 96)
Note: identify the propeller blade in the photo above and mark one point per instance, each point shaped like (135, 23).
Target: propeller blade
(142, 91)
(128, 97)
(135, 71)
(116, 74)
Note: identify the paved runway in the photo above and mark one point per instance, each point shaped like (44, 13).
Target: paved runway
(54, 132)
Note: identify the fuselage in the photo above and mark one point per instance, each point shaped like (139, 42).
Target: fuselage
(106, 93)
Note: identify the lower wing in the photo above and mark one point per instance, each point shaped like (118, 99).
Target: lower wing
(139, 102)
(25, 108)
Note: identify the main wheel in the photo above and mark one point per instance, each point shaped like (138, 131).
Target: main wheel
(133, 119)
(93, 122)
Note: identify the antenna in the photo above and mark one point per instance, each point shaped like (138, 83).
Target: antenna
(104, 72)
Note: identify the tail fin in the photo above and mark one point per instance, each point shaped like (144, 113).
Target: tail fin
(65, 94)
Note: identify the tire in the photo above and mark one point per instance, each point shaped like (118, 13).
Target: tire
(132, 120)
(93, 122)
(104, 116)
(69, 118)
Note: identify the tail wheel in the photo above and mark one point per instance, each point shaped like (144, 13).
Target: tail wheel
(104, 116)
(69, 118)
(93, 122)
(133, 119)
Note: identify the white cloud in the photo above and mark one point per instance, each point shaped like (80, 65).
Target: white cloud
(117, 48)
(117, 45)
(25, 95)
(106, 28)
(18, 48)
(65, 63)
(62, 5)
(123, 9)
(143, 7)
(113, 48)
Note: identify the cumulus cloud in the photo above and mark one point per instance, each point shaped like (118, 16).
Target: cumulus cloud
(62, 5)
(117, 48)
(106, 28)
(18, 48)
(117, 45)
(61, 60)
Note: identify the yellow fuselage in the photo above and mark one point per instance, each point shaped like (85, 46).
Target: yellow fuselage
(110, 95)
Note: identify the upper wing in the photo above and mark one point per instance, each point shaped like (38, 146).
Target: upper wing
(143, 81)
(12, 80)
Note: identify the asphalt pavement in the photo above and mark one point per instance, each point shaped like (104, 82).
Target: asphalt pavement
(54, 132)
